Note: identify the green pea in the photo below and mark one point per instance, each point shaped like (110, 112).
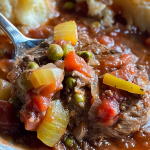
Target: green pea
(96, 24)
(68, 5)
(55, 52)
(32, 65)
(69, 142)
(67, 48)
(77, 98)
(70, 82)
(85, 54)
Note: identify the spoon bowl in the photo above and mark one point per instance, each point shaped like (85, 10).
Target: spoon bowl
(22, 44)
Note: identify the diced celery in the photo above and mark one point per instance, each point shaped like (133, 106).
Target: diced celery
(43, 76)
(53, 126)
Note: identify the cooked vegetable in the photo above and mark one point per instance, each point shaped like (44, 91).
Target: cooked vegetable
(55, 52)
(92, 114)
(66, 31)
(95, 90)
(77, 98)
(93, 62)
(50, 89)
(44, 76)
(122, 84)
(54, 124)
(32, 65)
(41, 103)
(96, 24)
(106, 40)
(108, 111)
(67, 48)
(23, 83)
(85, 54)
(69, 141)
(80, 131)
(68, 5)
(70, 82)
(74, 62)
(5, 89)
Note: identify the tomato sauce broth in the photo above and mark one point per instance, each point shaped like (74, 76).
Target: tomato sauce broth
(118, 37)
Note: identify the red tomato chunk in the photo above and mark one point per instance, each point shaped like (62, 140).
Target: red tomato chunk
(106, 40)
(40, 103)
(126, 72)
(108, 111)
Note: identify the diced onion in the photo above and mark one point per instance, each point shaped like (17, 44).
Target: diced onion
(66, 31)
(93, 62)
(95, 88)
(93, 110)
(59, 64)
(54, 124)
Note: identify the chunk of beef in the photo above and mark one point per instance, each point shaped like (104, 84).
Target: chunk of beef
(37, 54)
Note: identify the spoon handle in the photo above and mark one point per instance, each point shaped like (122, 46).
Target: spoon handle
(22, 44)
(13, 33)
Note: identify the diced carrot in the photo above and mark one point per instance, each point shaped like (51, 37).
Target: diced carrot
(41, 103)
(74, 62)
(48, 89)
(51, 89)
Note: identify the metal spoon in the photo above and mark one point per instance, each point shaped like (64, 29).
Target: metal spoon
(21, 43)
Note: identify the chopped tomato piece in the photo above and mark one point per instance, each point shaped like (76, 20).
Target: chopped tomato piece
(74, 62)
(108, 62)
(39, 102)
(126, 72)
(106, 40)
(114, 94)
(108, 111)
(126, 58)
